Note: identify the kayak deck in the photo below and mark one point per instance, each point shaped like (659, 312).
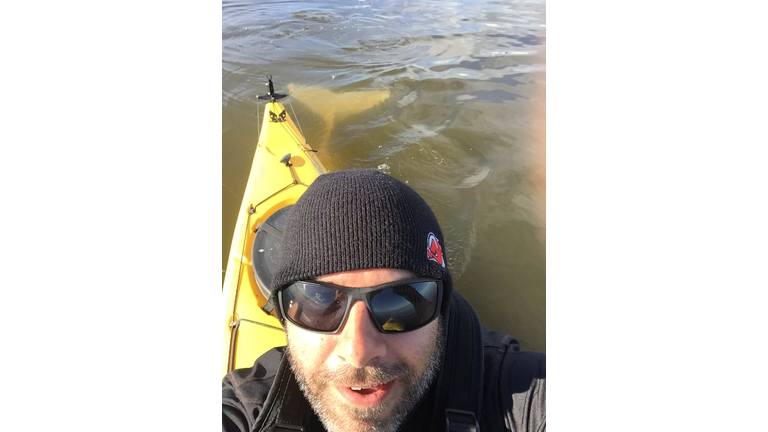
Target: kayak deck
(248, 332)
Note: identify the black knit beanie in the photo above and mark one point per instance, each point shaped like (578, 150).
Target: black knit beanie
(361, 219)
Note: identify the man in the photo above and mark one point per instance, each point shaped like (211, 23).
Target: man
(378, 339)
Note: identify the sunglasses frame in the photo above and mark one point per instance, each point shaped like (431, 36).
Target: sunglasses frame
(361, 294)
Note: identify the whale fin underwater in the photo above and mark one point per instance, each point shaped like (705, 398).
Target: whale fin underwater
(333, 107)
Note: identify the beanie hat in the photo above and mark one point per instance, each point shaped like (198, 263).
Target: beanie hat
(361, 219)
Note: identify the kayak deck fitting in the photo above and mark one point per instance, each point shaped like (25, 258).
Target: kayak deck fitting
(283, 167)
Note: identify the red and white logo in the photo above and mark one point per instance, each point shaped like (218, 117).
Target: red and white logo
(434, 251)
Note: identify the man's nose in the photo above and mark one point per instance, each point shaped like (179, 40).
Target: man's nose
(360, 341)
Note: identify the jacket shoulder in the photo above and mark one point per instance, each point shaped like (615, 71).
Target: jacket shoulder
(243, 391)
(515, 384)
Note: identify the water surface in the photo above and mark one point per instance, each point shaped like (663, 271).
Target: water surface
(463, 123)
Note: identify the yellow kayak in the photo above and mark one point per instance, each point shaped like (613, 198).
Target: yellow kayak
(283, 167)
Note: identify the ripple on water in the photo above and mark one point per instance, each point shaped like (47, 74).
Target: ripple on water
(407, 99)
(417, 132)
(473, 179)
(318, 16)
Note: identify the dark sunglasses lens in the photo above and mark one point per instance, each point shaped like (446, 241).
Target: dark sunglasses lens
(405, 307)
(314, 306)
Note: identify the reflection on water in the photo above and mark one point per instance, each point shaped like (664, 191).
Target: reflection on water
(454, 105)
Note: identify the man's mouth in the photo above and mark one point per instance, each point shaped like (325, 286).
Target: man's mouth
(367, 395)
(367, 389)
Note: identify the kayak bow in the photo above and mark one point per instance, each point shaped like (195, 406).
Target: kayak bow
(283, 167)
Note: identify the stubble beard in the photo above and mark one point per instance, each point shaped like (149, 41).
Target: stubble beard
(385, 417)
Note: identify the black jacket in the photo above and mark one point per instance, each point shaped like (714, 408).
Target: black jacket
(514, 391)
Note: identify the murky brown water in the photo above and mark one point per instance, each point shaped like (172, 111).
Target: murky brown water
(464, 123)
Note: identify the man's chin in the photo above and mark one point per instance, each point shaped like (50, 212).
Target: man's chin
(345, 418)
(341, 409)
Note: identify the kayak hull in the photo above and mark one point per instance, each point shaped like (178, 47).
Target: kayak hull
(282, 169)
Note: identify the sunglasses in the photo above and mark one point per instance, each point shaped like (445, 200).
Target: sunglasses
(395, 307)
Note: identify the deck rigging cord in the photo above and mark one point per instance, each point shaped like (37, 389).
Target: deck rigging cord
(258, 123)
(235, 327)
(251, 211)
(290, 104)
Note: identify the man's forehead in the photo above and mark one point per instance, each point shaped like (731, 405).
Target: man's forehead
(366, 277)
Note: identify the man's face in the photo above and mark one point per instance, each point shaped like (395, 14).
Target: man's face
(359, 378)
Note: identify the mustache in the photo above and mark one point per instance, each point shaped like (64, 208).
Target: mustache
(377, 373)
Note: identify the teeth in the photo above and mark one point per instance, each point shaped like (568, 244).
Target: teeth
(365, 388)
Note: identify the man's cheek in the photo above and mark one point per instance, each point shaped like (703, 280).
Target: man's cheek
(304, 341)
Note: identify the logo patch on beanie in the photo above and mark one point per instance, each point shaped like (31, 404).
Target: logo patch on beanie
(434, 251)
